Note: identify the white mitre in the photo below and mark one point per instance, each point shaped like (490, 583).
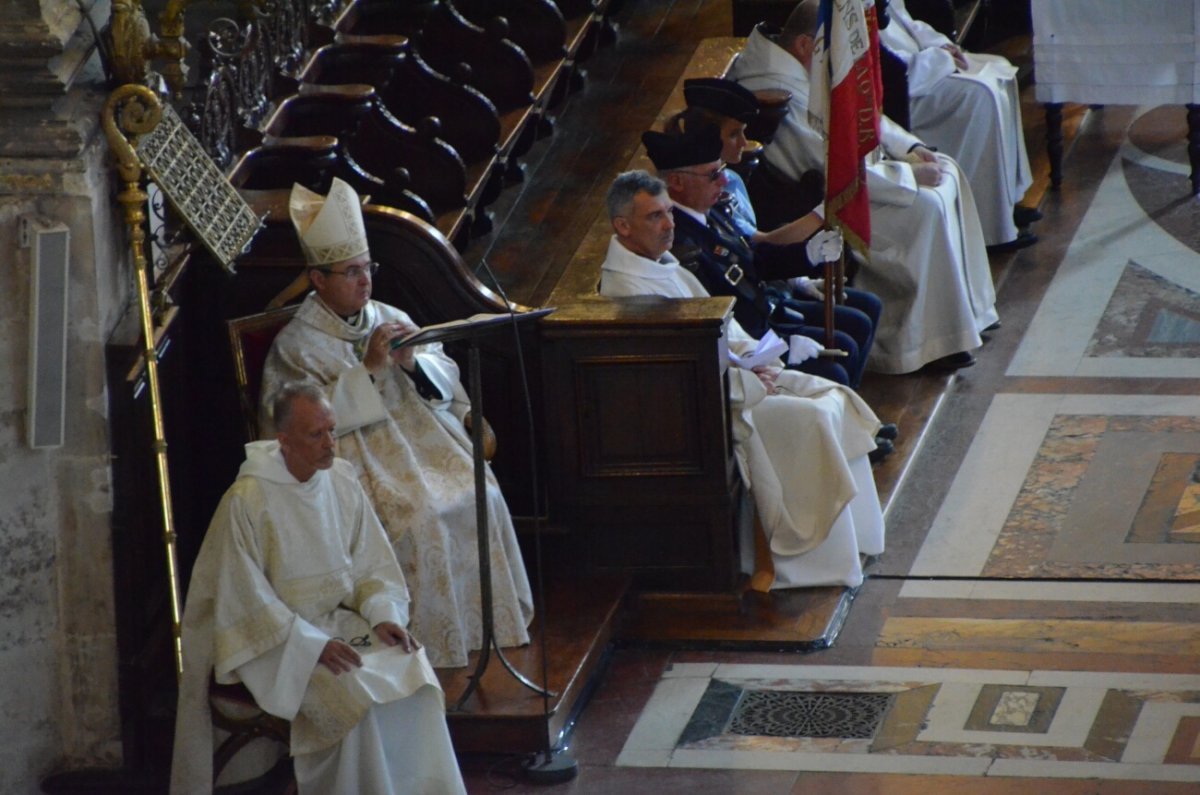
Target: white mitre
(330, 227)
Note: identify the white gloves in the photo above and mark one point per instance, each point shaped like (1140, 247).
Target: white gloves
(803, 348)
(810, 288)
(824, 246)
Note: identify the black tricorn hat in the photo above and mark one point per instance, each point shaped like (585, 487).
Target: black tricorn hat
(721, 96)
(669, 151)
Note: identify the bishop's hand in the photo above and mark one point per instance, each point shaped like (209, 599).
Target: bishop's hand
(379, 347)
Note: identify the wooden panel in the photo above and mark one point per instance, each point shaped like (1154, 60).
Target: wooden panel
(666, 546)
(646, 421)
(639, 416)
(640, 453)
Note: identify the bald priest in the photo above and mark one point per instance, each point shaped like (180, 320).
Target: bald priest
(296, 594)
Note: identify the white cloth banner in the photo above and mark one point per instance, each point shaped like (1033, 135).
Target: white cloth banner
(1120, 52)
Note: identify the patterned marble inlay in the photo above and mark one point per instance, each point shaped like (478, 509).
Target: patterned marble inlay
(1122, 303)
(1106, 496)
(1148, 316)
(976, 722)
(1165, 196)
(1185, 744)
(1014, 709)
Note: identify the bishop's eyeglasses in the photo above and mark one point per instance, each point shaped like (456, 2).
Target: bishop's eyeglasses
(353, 271)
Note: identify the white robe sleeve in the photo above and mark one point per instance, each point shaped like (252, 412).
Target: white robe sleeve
(796, 147)
(925, 34)
(922, 32)
(896, 140)
(927, 68)
(891, 181)
(920, 46)
(746, 389)
(279, 677)
(443, 373)
(380, 593)
(356, 400)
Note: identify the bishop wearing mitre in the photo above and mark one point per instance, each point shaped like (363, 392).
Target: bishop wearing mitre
(400, 423)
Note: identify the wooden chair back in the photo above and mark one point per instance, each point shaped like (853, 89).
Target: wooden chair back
(250, 338)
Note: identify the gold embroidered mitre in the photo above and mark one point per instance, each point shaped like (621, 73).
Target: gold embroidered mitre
(330, 227)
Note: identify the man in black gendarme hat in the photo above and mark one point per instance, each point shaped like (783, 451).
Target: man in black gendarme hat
(710, 245)
(727, 108)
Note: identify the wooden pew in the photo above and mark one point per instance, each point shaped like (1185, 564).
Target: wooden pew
(483, 58)
(385, 147)
(586, 27)
(313, 161)
(425, 101)
(451, 45)
(538, 28)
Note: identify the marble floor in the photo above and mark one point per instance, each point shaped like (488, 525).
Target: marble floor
(1032, 626)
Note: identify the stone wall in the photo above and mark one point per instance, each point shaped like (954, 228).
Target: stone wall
(58, 655)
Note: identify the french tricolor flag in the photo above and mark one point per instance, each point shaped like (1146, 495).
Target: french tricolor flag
(844, 101)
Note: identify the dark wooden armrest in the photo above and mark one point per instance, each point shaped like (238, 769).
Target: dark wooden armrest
(316, 143)
(374, 40)
(351, 91)
(270, 203)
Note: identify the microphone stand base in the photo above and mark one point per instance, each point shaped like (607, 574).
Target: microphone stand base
(557, 768)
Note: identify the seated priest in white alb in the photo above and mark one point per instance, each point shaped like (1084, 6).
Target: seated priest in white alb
(927, 262)
(400, 422)
(296, 594)
(801, 441)
(967, 105)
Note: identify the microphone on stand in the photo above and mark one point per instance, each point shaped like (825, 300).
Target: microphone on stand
(546, 767)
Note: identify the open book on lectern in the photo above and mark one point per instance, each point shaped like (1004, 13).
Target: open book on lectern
(467, 327)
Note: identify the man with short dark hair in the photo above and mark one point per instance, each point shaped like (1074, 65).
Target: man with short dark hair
(296, 594)
(801, 441)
